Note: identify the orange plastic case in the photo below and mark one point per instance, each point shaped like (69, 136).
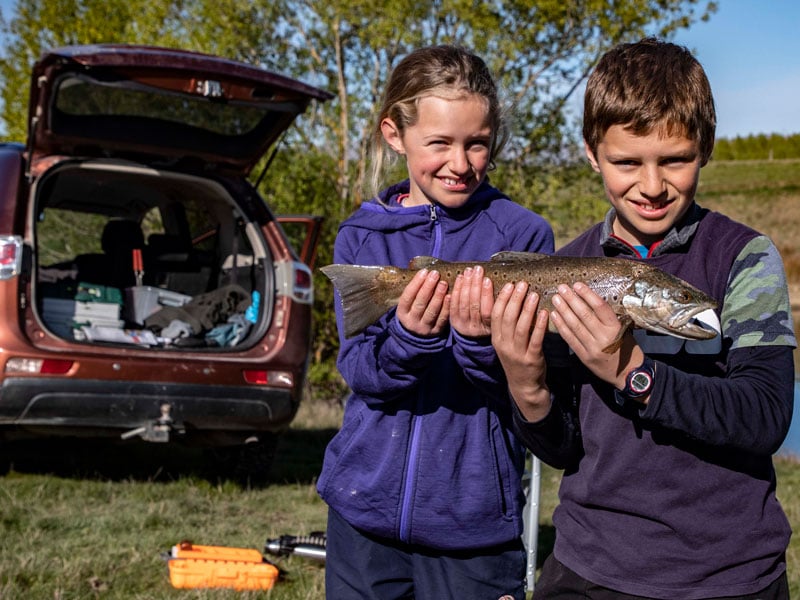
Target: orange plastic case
(193, 566)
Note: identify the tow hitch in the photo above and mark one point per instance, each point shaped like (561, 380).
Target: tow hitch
(158, 430)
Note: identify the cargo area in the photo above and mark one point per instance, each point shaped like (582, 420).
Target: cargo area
(136, 256)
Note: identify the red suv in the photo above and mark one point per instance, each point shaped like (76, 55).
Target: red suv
(146, 289)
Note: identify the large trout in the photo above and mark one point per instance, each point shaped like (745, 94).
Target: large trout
(640, 294)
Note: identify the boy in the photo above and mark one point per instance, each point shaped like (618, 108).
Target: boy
(668, 488)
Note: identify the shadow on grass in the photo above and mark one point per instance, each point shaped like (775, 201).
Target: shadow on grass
(298, 459)
(544, 543)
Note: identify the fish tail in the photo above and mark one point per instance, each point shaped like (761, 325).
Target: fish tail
(365, 294)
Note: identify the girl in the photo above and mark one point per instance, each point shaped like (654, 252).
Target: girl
(423, 481)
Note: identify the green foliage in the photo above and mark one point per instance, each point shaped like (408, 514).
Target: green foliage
(758, 147)
(569, 196)
(64, 234)
(540, 51)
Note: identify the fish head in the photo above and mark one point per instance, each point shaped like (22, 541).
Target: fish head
(660, 302)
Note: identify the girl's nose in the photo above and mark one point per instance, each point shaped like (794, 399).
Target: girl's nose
(459, 161)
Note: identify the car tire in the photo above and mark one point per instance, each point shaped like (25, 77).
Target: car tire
(248, 464)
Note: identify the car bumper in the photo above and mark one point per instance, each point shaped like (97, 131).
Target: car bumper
(117, 408)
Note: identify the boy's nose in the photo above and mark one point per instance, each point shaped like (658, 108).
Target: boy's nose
(652, 183)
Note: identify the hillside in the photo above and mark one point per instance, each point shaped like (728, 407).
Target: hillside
(766, 196)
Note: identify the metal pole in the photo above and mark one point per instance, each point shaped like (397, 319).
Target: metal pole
(530, 518)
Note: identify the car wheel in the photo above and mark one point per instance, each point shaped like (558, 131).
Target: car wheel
(249, 463)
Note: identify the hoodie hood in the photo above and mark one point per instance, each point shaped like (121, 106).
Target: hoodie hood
(383, 213)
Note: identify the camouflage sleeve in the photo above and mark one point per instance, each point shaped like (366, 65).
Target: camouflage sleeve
(757, 311)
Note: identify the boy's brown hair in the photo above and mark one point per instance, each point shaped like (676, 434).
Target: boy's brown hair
(646, 86)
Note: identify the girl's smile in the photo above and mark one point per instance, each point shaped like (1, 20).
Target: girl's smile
(447, 150)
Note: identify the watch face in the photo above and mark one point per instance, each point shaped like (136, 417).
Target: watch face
(641, 382)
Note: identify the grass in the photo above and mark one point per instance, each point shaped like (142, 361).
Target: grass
(762, 194)
(80, 520)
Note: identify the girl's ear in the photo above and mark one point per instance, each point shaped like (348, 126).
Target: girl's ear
(392, 136)
(590, 155)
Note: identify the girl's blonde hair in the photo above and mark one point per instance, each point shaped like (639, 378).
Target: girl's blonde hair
(444, 71)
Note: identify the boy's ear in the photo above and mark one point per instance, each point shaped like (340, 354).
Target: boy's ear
(392, 136)
(590, 155)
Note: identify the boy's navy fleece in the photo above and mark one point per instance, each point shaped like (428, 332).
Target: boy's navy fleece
(676, 499)
(425, 455)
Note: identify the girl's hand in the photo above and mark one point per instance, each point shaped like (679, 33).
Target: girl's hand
(517, 335)
(471, 304)
(588, 324)
(422, 308)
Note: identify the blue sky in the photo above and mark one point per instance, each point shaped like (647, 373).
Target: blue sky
(751, 52)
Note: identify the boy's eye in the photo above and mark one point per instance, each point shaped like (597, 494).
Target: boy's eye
(677, 160)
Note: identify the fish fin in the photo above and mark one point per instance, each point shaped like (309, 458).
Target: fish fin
(424, 262)
(626, 322)
(365, 295)
(510, 256)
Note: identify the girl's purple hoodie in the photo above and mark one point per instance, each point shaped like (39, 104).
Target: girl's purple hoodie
(425, 454)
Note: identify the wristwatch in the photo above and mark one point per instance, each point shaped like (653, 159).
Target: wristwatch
(638, 383)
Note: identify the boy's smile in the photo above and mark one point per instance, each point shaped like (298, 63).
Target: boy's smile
(649, 179)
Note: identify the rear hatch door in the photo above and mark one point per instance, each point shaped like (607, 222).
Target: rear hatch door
(162, 107)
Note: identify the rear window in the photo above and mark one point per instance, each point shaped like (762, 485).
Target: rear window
(114, 113)
(83, 97)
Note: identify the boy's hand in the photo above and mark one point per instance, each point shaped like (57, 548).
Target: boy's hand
(471, 304)
(517, 336)
(422, 308)
(588, 324)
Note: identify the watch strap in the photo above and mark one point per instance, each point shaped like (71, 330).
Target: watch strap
(638, 383)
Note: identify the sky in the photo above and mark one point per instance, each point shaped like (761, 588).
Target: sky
(750, 50)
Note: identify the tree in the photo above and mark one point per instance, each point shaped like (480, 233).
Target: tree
(540, 50)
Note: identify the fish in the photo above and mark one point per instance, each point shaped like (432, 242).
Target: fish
(641, 295)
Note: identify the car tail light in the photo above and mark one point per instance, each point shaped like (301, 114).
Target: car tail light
(273, 378)
(38, 366)
(10, 256)
(294, 280)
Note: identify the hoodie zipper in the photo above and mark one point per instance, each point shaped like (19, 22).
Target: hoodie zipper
(416, 421)
(437, 232)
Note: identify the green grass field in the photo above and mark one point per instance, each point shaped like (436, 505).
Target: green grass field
(85, 521)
